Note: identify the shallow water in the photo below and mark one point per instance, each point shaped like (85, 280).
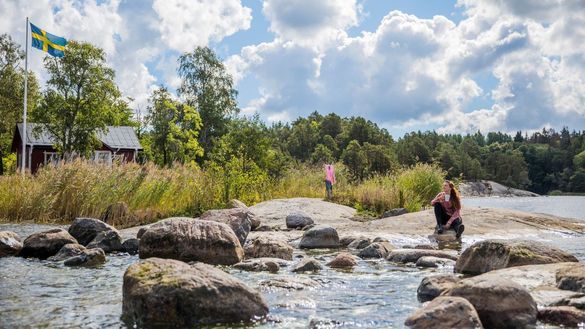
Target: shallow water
(376, 294)
(562, 206)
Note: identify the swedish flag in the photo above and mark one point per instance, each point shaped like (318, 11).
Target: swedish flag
(47, 42)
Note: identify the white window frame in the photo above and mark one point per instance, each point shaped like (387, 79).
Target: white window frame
(103, 157)
(51, 158)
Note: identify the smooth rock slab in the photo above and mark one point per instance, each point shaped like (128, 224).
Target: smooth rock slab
(10, 243)
(445, 313)
(489, 255)
(320, 237)
(165, 293)
(267, 247)
(412, 255)
(84, 230)
(188, 239)
(46, 244)
(433, 286)
(500, 303)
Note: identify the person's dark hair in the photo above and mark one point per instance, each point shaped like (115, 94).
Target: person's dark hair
(455, 197)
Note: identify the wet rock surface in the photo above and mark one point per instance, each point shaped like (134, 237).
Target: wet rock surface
(10, 243)
(46, 244)
(84, 230)
(447, 313)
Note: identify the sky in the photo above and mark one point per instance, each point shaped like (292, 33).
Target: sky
(454, 66)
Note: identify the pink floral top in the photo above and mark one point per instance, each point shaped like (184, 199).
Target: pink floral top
(448, 206)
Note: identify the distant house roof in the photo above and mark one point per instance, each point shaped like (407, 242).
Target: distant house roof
(116, 137)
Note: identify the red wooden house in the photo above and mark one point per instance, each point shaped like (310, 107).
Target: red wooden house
(119, 144)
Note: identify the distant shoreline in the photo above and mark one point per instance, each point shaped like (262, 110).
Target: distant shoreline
(486, 188)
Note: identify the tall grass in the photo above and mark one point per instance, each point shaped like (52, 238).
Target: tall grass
(60, 194)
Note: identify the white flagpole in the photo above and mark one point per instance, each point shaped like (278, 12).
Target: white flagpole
(24, 136)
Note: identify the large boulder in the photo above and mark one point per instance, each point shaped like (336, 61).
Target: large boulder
(433, 286)
(298, 220)
(84, 230)
(68, 251)
(188, 239)
(241, 220)
(165, 293)
(412, 255)
(445, 313)
(500, 303)
(46, 244)
(108, 241)
(131, 246)
(376, 250)
(320, 237)
(267, 247)
(488, 255)
(90, 257)
(562, 315)
(10, 243)
(571, 278)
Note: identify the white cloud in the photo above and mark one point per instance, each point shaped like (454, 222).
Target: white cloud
(186, 24)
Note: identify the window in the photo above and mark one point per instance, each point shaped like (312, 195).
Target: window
(52, 158)
(103, 157)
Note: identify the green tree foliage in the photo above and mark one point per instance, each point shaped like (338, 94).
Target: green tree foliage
(321, 155)
(208, 87)
(12, 93)
(81, 99)
(355, 160)
(175, 130)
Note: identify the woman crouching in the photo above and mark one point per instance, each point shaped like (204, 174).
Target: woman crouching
(447, 209)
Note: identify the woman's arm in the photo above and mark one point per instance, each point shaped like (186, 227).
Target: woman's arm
(438, 198)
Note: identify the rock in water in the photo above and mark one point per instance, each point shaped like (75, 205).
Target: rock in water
(376, 250)
(307, 265)
(68, 251)
(445, 313)
(488, 255)
(298, 220)
(433, 286)
(108, 241)
(90, 257)
(267, 247)
(500, 303)
(131, 246)
(188, 239)
(412, 255)
(241, 220)
(562, 315)
(84, 230)
(165, 293)
(46, 244)
(10, 243)
(343, 260)
(320, 237)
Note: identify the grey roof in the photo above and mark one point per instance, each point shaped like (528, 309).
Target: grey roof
(116, 137)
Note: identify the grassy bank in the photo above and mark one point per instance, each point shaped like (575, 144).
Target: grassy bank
(59, 194)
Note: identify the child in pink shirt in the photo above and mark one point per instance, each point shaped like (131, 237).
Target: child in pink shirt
(329, 180)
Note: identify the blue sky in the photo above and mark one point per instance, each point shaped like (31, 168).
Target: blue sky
(453, 66)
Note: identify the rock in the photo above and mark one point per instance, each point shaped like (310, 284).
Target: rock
(425, 246)
(562, 315)
(577, 302)
(320, 237)
(241, 220)
(235, 203)
(412, 255)
(359, 243)
(131, 246)
(343, 260)
(500, 303)
(141, 231)
(376, 250)
(167, 293)
(118, 214)
(394, 212)
(187, 239)
(380, 239)
(572, 278)
(46, 244)
(267, 247)
(488, 255)
(324, 323)
(289, 283)
(307, 265)
(298, 220)
(433, 286)
(346, 240)
(108, 241)
(261, 264)
(10, 243)
(430, 261)
(90, 257)
(445, 312)
(68, 251)
(84, 230)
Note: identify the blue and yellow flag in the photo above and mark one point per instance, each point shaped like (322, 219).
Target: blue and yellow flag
(47, 42)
